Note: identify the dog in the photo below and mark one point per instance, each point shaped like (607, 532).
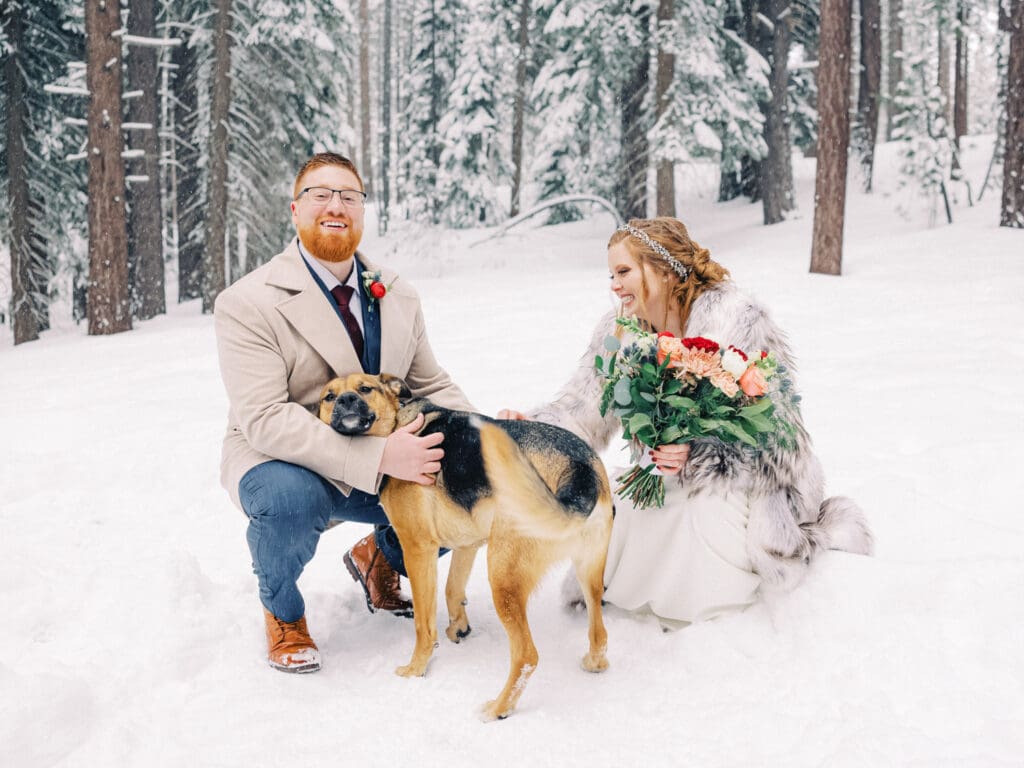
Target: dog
(534, 493)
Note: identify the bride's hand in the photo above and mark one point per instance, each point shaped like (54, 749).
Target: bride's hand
(671, 459)
(511, 415)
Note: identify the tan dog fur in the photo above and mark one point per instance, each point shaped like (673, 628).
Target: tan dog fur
(525, 527)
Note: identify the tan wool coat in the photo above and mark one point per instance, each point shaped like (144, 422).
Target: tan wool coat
(279, 341)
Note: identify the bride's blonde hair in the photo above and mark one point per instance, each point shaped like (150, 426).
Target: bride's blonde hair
(684, 255)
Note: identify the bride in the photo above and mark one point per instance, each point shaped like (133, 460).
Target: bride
(735, 521)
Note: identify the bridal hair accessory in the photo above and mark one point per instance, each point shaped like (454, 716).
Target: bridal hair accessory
(658, 248)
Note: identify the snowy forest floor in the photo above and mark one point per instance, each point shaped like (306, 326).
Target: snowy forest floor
(133, 634)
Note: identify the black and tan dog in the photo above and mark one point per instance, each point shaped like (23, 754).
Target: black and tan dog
(534, 493)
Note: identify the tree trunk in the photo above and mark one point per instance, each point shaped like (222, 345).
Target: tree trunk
(870, 83)
(1012, 208)
(665, 186)
(23, 316)
(895, 64)
(214, 258)
(191, 225)
(960, 69)
(385, 122)
(633, 185)
(145, 219)
(519, 106)
(943, 73)
(833, 137)
(776, 170)
(109, 302)
(365, 138)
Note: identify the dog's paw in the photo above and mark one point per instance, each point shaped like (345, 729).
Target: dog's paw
(411, 670)
(595, 662)
(491, 711)
(456, 632)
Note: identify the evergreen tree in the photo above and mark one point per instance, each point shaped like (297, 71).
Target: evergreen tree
(713, 103)
(431, 66)
(927, 149)
(473, 162)
(47, 259)
(576, 94)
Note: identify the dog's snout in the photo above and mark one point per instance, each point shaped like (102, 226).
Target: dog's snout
(348, 398)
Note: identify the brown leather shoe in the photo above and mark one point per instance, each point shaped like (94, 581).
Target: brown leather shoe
(381, 583)
(289, 646)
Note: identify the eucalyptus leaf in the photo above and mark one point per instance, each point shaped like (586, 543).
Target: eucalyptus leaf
(612, 344)
(671, 434)
(639, 421)
(622, 393)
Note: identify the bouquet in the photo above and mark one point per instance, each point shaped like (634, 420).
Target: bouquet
(670, 390)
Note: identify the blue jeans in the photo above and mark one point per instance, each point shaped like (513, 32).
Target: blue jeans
(288, 508)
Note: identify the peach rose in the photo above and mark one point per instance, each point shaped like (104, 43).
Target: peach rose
(725, 382)
(752, 382)
(671, 347)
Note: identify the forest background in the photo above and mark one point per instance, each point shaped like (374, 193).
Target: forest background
(149, 147)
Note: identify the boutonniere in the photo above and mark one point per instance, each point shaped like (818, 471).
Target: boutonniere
(375, 288)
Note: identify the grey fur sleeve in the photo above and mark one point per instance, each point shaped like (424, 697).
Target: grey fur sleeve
(730, 317)
(575, 407)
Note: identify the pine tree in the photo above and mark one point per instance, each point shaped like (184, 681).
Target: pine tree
(145, 215)
(50, 111)
(577, 90)
(719, 80)
(109, 300)
(473, 163)
(921, 127)
(432, 65)
(1011, 212)
(833, 138)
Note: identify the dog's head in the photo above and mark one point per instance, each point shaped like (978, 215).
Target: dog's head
(360, 404)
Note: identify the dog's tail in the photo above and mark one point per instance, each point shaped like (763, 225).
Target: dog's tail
(842, 525)
(531, 506)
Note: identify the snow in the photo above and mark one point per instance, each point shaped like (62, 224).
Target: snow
(133, 634)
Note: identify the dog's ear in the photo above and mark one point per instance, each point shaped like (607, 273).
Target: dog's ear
(397, 386)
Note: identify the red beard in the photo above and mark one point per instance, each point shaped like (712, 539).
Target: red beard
(332, 247)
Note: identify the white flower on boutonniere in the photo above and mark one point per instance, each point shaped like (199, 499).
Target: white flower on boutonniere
(375, 288)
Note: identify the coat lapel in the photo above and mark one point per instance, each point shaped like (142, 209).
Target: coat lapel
(310, 314)
(396, 316)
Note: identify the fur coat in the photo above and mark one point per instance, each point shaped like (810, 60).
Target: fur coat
(790, 518)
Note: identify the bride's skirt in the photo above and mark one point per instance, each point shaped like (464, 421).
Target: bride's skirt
(684, 562)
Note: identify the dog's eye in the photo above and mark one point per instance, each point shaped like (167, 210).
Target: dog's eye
(330, 397)
(365, 389)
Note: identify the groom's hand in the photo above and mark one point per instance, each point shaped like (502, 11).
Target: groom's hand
(407, 456)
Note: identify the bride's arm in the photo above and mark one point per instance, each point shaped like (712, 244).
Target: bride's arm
(575, 407)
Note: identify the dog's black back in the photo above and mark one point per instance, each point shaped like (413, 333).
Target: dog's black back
(462, 468)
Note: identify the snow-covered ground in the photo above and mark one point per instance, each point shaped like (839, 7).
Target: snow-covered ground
(132, 633)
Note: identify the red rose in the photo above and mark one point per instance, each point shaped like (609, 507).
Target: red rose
(699, 342)
(669, 334)
(377, 290)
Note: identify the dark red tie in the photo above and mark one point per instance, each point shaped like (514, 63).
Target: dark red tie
(343, 295)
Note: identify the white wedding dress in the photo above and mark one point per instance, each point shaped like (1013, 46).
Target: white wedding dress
(699, 547)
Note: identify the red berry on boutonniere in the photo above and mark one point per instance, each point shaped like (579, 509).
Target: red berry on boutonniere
(377, 290)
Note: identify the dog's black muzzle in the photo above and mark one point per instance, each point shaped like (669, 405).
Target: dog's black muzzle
(351, 414)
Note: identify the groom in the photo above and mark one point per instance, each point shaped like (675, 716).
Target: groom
(283, 331)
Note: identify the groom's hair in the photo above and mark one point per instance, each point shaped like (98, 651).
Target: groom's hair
(321, 159)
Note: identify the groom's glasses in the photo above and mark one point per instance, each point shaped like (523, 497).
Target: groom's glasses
(321, 196)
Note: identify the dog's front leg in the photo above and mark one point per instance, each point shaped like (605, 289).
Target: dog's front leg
(421, 565)
(455, 592)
